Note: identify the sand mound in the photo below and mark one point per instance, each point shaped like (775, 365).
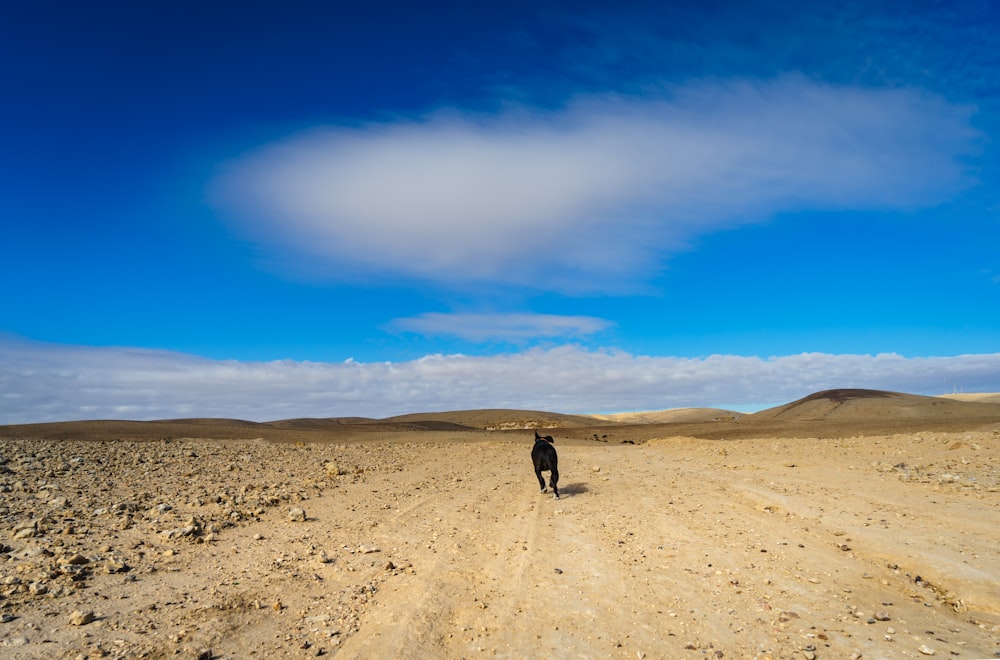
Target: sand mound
(977, 397)
(672, 415)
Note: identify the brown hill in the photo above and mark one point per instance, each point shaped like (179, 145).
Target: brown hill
(827, 414)
(858, 404)
(296, 430)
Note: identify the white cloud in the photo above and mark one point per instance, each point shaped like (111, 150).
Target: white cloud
(44, 382)
(505, 327)
(590, 196)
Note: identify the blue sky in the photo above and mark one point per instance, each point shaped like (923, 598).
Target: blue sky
(268, 210)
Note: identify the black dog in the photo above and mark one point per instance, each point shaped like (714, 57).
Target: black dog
(543, 456)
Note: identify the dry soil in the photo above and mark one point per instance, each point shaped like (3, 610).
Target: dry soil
(440, 545)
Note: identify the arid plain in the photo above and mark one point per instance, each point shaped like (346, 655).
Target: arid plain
(849, 524)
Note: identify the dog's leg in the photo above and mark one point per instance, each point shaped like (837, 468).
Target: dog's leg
(553, 480)
(541, 480)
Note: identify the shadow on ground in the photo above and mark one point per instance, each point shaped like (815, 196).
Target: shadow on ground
(573, 489)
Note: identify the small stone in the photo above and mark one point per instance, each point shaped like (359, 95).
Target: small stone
(113, 566)
(78, 618)
(558, 571)
(295, 514)
(882, 615)
(6, 617)
(75, 559)
(368, 549)
(926, 650)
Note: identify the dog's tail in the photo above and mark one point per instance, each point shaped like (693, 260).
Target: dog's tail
(546, 438)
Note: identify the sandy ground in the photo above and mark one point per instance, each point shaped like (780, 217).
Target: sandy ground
(423, 546)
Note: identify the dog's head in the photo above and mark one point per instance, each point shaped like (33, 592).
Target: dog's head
(546, 438)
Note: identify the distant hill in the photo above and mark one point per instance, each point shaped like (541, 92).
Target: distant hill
(301, 429)
(858, 404)
(498, 419)
(830, 413)
(672, 415)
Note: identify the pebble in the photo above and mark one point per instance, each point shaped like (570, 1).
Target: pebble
(81, 618)
(295, 514)
(25, 533)
(926, 650)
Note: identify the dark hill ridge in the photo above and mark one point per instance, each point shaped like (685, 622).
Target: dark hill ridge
(831, 413)
(859, 404)
(301, 429)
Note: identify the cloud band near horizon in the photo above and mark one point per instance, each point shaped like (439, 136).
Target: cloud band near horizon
(44, 382)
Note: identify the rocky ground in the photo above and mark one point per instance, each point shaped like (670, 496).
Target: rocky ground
(440, 545)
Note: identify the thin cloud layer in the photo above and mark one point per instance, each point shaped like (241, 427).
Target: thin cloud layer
(592, 196)
(503, 327)
(42, 382)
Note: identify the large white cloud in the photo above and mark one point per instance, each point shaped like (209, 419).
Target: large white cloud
(44, 382)
(592, 195)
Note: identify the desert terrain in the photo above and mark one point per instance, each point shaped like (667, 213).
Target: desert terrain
(848, 524)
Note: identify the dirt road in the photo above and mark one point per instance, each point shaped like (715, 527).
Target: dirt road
(679, 548)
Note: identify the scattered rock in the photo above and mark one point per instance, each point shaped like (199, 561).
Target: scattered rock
(75, 559)
(296, 514)
(81, 618)
(24, 533)
(179, 532)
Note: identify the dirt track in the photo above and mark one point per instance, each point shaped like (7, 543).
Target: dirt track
(679, 548)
